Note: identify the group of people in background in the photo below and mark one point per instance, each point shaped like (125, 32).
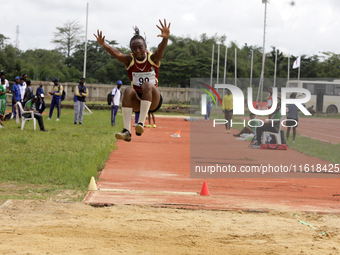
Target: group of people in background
(22, 93)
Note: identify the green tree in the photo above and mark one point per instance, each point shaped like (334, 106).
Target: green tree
(2, 41)
(67, 37)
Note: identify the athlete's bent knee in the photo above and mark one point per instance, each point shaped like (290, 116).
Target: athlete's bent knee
(147, 86)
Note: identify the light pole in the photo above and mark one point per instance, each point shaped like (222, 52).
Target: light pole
(263, 49)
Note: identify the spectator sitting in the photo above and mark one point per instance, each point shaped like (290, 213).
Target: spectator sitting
(251, 127)
(271, 126)
(30, 106)
(311, 110)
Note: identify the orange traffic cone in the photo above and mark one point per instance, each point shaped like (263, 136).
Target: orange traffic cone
(205, 190)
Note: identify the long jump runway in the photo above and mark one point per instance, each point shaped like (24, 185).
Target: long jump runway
(154, 169)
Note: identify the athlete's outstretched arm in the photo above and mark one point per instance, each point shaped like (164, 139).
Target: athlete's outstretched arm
(126, 59)
(165, 33)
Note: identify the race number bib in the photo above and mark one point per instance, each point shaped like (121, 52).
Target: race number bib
(138, 78)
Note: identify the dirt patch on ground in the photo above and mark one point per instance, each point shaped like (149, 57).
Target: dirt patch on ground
(47, 227)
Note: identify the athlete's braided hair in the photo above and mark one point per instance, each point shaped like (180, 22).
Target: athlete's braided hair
(137, 35)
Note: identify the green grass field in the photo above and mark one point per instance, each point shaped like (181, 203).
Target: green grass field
(58, 164)
(64, 158)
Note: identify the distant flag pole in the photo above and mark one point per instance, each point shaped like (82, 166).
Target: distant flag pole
(85, 50)
(218, 62)
(275, 68)
(297, 64)
(218, 65)
(251, 68)
(212, 64)
(225, 67)
(264, 50)
(288, 66)
(235, 66)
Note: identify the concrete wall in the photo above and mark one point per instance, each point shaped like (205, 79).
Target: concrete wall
(98, 92)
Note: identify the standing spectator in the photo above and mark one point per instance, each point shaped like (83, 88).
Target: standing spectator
(207, 116)
(270, 99)
(292, 117)
(79, 101)
(40, 104)
(150, 114)
(227, 106)
(3, 92)
(136, 118)
(22, 88)
(2, 76)
(30, 106)
(29, 91)
(16, 95)
(56, 99)
(24, 78)
(115, 100)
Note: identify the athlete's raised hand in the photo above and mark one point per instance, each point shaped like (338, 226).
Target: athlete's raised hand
(165, 30)
(100, 37)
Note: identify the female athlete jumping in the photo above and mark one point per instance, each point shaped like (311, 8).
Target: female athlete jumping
(142, 67)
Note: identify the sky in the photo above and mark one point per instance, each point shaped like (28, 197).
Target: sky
(294, 27)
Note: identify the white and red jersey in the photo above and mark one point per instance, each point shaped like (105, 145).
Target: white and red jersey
(142, 71)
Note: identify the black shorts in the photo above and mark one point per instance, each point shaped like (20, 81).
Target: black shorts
(291, 123)
(158, 106)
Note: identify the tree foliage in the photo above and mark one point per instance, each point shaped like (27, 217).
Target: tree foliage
(68, 36)
(184, 58)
